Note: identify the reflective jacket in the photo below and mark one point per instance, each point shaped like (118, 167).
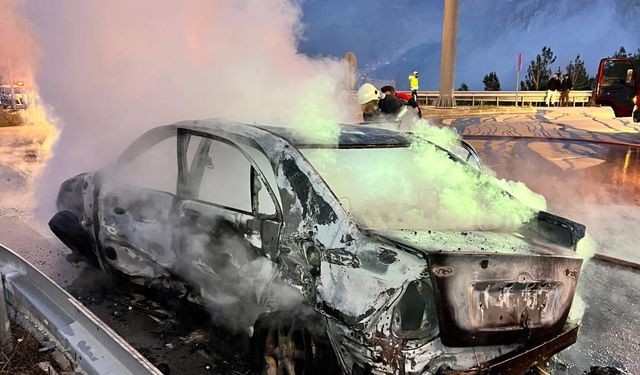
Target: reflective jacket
(413, 81)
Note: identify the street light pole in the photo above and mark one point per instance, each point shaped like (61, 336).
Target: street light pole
(446, 98)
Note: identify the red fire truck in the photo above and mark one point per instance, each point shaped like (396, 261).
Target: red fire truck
(618, 86)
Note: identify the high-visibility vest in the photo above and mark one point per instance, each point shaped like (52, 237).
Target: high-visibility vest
(413, 81)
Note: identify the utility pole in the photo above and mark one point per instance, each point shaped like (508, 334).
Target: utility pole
(446, 98)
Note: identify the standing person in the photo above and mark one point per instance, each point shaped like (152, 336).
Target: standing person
(552, 90)
(413, 83)
(565, 88)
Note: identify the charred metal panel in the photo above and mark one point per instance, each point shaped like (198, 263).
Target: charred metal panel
(137, 222)
(496, 298)
(520, 362)
(70, 195)
(314, 205)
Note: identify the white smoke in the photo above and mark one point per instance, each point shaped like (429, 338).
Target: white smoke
(112, 70)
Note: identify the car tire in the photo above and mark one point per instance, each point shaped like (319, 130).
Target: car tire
(304, 334)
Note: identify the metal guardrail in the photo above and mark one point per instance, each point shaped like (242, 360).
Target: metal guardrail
(504, 97)
(38, 303)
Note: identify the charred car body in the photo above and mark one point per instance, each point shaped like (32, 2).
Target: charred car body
(391, 300)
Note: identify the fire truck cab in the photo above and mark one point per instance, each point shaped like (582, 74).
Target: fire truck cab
(618, 86)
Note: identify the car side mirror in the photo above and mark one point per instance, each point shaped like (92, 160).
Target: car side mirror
(629, 79)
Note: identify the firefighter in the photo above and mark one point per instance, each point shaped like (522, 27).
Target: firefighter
(368, 98)
(413, 83)
(405, 99)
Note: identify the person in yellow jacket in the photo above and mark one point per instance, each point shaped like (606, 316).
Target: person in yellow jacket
(413, 82)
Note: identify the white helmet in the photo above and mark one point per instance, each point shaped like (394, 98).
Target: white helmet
(367, 92)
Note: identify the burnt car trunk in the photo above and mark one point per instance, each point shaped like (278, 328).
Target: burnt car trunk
(490, 299)
(500, 288)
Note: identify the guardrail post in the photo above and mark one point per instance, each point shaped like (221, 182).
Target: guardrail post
(6, 339)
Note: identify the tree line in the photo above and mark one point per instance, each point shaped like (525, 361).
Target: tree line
(540, 71)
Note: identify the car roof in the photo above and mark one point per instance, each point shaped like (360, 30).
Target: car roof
(351, 136)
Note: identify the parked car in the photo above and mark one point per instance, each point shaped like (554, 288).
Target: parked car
(20, 99)
(200, 202)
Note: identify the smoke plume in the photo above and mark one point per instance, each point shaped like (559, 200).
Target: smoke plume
(18, 49)
(112, 70)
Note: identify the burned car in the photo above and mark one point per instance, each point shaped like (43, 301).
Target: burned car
(227, 208)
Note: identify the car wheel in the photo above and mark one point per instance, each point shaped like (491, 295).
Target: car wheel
(283, 343)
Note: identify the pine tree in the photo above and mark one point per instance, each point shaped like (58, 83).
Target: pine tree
(559, 71)
(539, 71)
(621, 53)
(463, 87)
(491, 82)
(578, 73)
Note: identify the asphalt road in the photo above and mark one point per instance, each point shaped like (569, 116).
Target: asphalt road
(593, 183)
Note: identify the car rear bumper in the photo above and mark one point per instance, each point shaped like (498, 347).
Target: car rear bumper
(520, 362)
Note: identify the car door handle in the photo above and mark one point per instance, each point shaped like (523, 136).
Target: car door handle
(119, 210)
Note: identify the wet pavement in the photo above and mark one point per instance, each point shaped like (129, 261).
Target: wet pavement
(609, 335)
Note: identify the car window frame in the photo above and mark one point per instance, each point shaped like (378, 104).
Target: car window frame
(183, 192)
(142, 144)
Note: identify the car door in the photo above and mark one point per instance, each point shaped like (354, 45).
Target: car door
(228, 218)
(135, 202)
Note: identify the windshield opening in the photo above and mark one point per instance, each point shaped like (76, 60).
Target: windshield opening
(419, 187)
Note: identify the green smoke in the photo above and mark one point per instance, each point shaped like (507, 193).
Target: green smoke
(423, 187)
(475, 200)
